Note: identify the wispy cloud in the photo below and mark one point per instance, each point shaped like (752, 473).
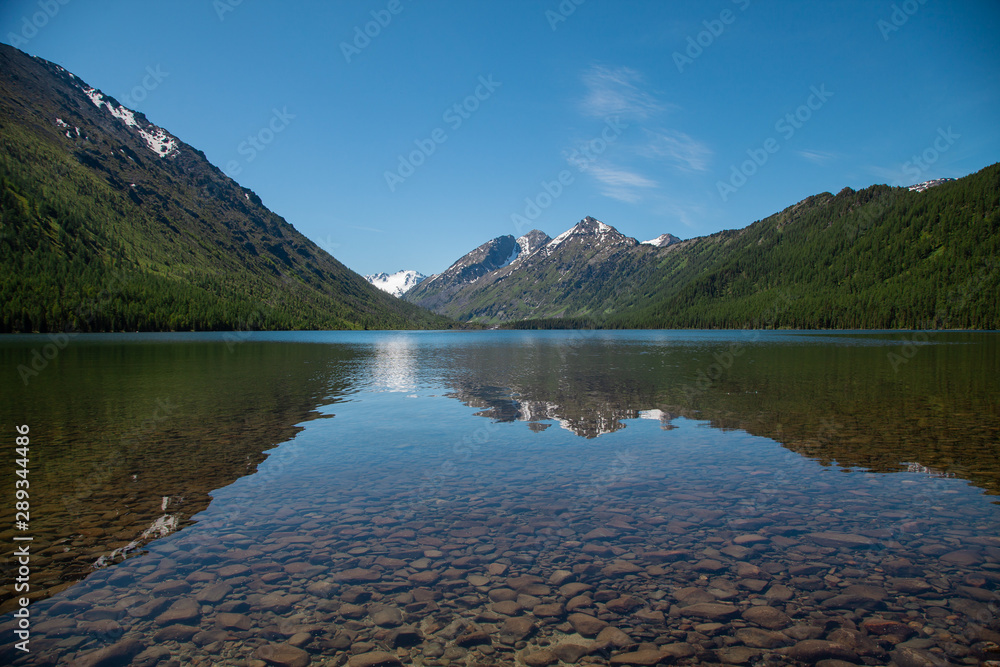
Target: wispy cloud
(620, 184)
(617, 92)
(888, 176)
(328, 243)
(679, 149)
(689, 215)
(649, 148)
(817, 157)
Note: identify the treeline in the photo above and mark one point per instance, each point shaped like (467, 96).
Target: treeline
(880, 258)
(556, 323)
(62, 272)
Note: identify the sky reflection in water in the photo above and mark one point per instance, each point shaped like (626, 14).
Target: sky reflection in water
(710, 471)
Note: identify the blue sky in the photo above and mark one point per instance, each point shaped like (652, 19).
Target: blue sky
(680, 117)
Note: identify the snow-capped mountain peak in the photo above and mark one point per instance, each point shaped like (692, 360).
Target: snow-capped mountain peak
(529, 243)
(588, 228)
(535, 261)
(396, 284)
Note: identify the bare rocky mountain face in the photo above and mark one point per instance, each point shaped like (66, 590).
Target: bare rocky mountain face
(535, 275)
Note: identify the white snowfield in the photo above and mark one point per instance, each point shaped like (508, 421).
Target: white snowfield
(155, 137)
(398, 283)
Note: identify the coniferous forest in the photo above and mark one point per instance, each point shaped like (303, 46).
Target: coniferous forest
(99, 234)
(878, 258)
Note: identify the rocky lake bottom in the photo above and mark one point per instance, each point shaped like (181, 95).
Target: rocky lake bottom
(394, 524)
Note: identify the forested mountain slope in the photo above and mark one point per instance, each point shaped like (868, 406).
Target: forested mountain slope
(108, 222)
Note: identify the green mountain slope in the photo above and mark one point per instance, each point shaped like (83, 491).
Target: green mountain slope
(877, 258)
(109, 223)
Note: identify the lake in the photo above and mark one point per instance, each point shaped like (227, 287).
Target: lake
(477, 498)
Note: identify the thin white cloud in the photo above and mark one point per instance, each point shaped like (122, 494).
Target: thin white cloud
(677, 209)
(328, 243)
(617, 92)
(888, 176)
(620, 184)
(690, 216)
(679, 149)
(648, 145)
(817, 157)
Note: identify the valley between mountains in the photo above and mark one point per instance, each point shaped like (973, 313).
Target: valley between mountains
(883, 257)
(109, 222)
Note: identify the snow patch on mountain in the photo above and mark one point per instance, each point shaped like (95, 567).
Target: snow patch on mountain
(158, 140)
(529, 244)
(95, 96)
(396, 284)
(124, 115)
(920, 187)
(514, 253)
(662, 241)
(559, 239)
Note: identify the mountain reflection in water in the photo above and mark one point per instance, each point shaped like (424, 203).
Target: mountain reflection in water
(675, 495)
(841, 399)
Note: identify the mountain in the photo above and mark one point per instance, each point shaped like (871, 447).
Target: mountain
(882, 257)
(531, 242)
(920, 187)
(879, 258)
(440, 290)
(662, 241)
(396, 284)
(109, 222)
(577, 274)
